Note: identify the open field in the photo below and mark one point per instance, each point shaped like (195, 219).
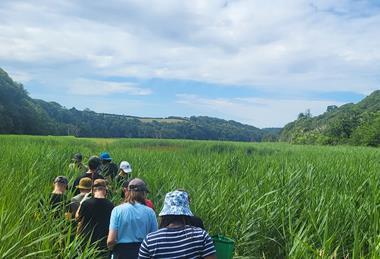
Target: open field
(276, 200)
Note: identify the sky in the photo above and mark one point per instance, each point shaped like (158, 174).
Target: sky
(256, 62)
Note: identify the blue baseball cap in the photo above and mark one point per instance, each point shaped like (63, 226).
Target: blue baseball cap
(105, 156)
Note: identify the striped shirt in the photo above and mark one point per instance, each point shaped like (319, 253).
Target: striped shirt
(183, 242)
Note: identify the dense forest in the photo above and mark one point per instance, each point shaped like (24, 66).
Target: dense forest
(355, 124)
(20, 114)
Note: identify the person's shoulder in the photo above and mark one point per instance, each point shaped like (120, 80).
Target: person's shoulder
(77, 198)
(109, 203)
(57, 196)
(197, 230)
(121, 206)
(89, 202)
(144, 208)
(157, 233)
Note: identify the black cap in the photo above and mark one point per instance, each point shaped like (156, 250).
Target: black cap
(93, 162)
(61, 179)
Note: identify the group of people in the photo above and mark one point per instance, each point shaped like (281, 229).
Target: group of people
(131, 229)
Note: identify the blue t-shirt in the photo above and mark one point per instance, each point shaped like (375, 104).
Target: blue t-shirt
(133, 222)
(177, 243)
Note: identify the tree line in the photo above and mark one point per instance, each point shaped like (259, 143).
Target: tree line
(20, 114)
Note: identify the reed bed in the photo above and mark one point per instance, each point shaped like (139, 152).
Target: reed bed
(275, 200)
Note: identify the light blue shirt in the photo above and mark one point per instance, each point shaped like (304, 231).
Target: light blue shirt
(132, 222)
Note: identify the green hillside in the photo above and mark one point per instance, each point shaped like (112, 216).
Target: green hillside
(20, 114)
(356, 124)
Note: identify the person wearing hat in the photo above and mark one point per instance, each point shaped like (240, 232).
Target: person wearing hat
(124, 189)
(57, 197)
(57, 202)
(77, 164)
(94, 215)
(92, 173)
(108, 168)
(84, 187)
(125, 171)
(193, 220)
(176, 239)
(131, 222)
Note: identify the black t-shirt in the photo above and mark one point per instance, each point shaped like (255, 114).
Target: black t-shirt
(95, 176)
(57, 200)
(57, 204)
(94, 215)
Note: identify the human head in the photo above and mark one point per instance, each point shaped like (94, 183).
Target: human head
(176, 208)
(105, 157)
(93, 163)
(78, 158)
(125, 167)
(85, 185)
(100, 186)
(136, 191)
(60, 184)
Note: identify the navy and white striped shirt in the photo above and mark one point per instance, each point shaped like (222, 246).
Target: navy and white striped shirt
(183, 242)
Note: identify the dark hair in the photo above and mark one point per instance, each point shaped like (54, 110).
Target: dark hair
(169, 219)
(93, 162)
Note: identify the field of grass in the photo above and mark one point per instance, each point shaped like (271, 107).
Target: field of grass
(276, 200)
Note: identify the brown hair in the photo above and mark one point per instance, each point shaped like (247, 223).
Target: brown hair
(135, 196)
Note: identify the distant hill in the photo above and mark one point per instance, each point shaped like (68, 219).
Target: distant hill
(356, 124)
(20, 114)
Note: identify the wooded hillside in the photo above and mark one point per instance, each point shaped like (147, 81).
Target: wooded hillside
(356, 124)
(20, 114)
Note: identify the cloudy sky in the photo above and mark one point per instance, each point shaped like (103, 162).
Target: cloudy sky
(257, 62)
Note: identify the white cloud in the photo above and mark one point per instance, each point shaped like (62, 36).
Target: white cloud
(96, 87)
(260, 112)
(279, 45)
(293, 47)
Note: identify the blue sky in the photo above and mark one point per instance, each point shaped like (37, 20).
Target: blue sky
(257, 62)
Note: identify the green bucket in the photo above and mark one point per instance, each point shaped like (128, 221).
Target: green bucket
(224, 247)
